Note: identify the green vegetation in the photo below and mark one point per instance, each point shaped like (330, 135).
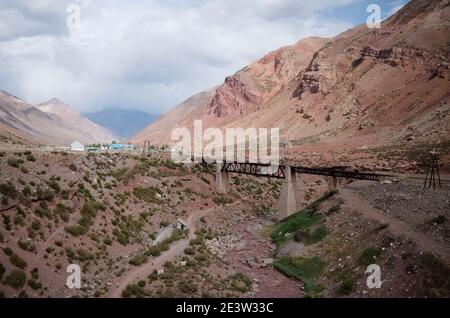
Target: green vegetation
(30, 156)
(369, 256)
(8, 190)
(222, 200)
(6, 221)
(88, 214)
(241, 282)
(34, 284)
(45, 194)
(304, 269)
(26, 246)
(17, 261)
(300, 221)
(16, 279)
(346, 278)
(187, 287)
(139, 260)
(294, 223)
(15, 163)
(149, 195)
(2, 271)
(63, 212)
(310, 237)
(133, 290)
(127, 229)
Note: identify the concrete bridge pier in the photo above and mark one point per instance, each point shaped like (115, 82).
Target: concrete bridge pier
(288, 202)
(222, 180)
(333, 184)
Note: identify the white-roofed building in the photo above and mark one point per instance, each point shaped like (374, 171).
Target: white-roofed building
(76, 146)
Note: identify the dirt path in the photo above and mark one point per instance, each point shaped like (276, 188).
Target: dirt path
(395, 225)
(176, 249)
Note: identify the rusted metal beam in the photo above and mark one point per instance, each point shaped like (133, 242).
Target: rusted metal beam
(256, 169)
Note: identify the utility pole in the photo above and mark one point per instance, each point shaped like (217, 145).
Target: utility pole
(433, 171)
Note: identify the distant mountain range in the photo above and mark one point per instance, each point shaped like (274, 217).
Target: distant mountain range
(50, 123)
(123, 123)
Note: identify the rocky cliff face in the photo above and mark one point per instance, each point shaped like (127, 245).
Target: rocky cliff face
(242, 94)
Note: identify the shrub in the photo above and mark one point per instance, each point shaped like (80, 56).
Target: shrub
(73, 167)
(15, 163)
(83, 255)
(142, 283)
(26, 246)
(189, 251)
(241, 282)
(369, 256)
(8, 190)
(6, 222)
(150, 195)
(31, 158)
(2, 271)
(36, 225)
(133, 290)
(139, 260)
(16, 279)
(8, 251)
(187, 287)
(310, 238)
(304, 269)
(26, 191)
(88, 213)
(45, 194)
(35, 285)
(76, 230)
(63, 212)
(52, 183)
(17, 261)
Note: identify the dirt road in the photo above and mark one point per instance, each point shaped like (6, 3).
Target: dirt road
(176, 249)
(396, 226)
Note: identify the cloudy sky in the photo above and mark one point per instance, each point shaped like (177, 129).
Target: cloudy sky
(150, 55)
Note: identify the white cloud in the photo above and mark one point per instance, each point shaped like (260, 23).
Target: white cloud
(144, 54)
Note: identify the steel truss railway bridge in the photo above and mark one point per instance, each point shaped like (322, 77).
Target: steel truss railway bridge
(288, 173)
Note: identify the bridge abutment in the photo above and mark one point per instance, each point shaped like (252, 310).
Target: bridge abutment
(288, 201)
(333, 184)
(222, 180)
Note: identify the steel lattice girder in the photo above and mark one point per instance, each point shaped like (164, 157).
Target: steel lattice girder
(339, 173)
(279, 172)
(256, 169)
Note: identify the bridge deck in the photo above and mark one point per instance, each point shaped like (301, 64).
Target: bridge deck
(279, 172)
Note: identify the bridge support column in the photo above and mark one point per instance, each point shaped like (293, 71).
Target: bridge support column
(288, 202)
(222, 180)
(333, 184)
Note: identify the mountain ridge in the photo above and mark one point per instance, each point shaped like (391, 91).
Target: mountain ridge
(36, 126)
(363, 87)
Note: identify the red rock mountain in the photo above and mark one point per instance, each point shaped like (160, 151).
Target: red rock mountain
(365, 87)
(24, 121)
(242, 94)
